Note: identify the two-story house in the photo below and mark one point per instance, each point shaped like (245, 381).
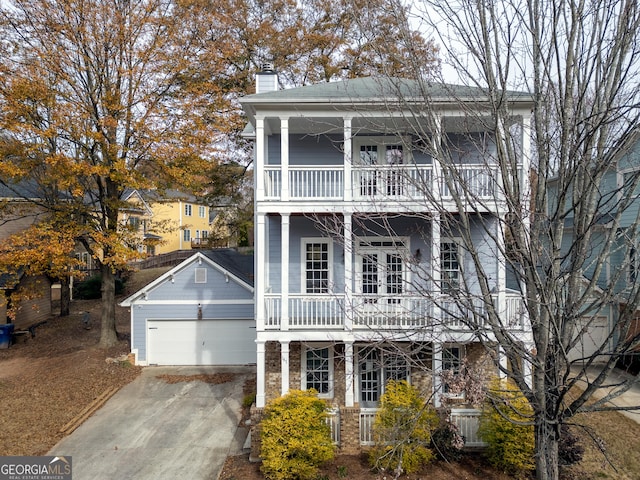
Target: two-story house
(165, 222)
(354, 260)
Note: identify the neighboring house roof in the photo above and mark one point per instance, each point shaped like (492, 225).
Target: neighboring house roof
(10, 280)
(238, 266)
(23, 190)
(158, 195)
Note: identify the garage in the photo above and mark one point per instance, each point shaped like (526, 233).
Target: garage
(201, 342)
(200, 312)
(595, 331)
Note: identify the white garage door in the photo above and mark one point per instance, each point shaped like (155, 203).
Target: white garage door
(592, 340)
(201, 342)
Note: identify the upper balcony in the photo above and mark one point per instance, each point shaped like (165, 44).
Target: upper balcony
(384, 185)
(398, 312)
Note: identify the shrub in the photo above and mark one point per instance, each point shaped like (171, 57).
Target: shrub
(296, 438)
(402, 430)
(505, 424)
(89, 289)
(446, 441)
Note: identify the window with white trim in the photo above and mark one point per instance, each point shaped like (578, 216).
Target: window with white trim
(452, 356)
(202, 211)
(375, 368)
(318, 370)
(186, 235)
(450, 270)
(381, 270)
(317, 265)
(187, 209)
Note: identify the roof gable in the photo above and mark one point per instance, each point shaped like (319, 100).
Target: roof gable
(229, 263)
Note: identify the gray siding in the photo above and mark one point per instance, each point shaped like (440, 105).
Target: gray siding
(184, 289)
(184, 286)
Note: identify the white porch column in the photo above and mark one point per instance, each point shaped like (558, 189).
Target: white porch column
(348, 149)
(501, 273)
(284, 366)
(349, 390)
(284, 157)
(348, 272)
(502, 359)
(260, 157)
(260, 374)
(284, 285)
(437, 368)
(436, 287)
(260, 269)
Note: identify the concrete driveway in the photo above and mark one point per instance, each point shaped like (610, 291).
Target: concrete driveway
(152, 430)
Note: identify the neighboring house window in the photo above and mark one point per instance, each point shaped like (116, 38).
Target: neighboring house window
(317, 273)
(205, 234)
(202, 211)
(186, 235)
(134, 223)
(450, 266)
(376, 368)
(187, 210)
(318, 370)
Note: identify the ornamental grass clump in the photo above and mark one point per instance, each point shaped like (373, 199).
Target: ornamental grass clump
(402, 430)
(506, 425)
(296, 438)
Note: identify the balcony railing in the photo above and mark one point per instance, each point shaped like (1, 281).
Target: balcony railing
(328, 312)
(392, 182)
(466, 419)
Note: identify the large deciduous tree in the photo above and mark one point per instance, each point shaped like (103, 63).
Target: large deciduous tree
(571, 239)
(92, 90)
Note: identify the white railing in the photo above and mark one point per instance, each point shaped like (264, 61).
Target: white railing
(470, 181)
(380, 182)
(272, 182)
(316, 183)
(272, 312)
(333, 420)
(392, 181)
(367, 417)
(391, 311)
(467, 420)
(320, 312)
(315, 312)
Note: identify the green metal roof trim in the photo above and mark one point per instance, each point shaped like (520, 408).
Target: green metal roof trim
(377, 89)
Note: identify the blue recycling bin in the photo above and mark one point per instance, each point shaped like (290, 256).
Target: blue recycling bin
(6, 331)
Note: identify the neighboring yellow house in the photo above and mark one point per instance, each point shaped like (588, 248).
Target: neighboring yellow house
(162, 223)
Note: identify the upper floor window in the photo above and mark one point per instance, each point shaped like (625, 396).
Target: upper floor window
(187, 210)
(316, 266)
(379, 150)
(186, 235)
(202, 210)
(450, 266)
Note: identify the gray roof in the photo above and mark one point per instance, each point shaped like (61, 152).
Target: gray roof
(377, 89)
(238, 264)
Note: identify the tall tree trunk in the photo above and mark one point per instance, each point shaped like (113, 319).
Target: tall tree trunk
(65, 296)
(108, 333)
(547, 439)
